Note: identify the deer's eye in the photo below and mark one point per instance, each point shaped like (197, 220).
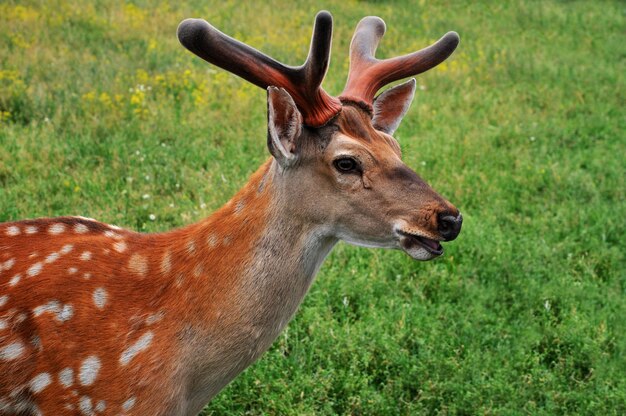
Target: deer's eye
(346, 165)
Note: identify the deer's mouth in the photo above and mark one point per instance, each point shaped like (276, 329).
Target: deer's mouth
(413, 244)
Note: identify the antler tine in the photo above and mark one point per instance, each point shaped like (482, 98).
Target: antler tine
(303, 82)
(317, 61)
(367, 74)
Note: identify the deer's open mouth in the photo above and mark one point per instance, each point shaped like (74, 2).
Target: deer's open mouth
(410, 242)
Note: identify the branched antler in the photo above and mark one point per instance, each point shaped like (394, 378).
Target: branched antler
(303, 82)
(368, 75)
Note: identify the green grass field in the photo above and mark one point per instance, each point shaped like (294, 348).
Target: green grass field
(104, 114)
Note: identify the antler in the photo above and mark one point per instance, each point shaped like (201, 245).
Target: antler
(367, 74)
(303, 82)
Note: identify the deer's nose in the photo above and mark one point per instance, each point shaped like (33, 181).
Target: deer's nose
(449, 226)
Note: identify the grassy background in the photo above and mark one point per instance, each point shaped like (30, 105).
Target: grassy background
(104, 114)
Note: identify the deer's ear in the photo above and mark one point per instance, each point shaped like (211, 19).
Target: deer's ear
(392, 105)
(284, 125)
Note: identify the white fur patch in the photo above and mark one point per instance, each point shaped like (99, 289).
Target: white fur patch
(62, 312)
(7, 264)
(66, 377)
(35, 269)
(89, 370)
(120, 246)
(66, 248)
(212, 240)
(128, 404)
(52, 257)
(80, 229)
(40, 382)
(12, 231)
(15, 279)
(141, 344)
(11, 351)
(85, 406)
(55, 229)
(100, 298)
(100, 406)
(138, 264)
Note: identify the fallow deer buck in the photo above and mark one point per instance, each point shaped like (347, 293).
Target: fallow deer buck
(95, 319)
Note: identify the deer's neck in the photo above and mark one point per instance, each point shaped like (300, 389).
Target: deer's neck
(241, 274)
(257, 248)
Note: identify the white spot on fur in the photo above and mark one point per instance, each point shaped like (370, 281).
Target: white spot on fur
(100, 297)
(52, 257)
(101, 406)
(33, 255)
(15, 279)
(40, 382)
(111, 234)
(52, 306)
(211, 240)
(72, 270)
(11, 351)
(128, 404)
(57, 228)
(87, 276)
(85, 406)
(12, 231)
(86, 255)
(3, 299)
(166, 262)
(138, 264)
(89, 370)
(191, 246)
(7, 264)
(155, 317)
(62, 313)
(66, 313)
(141, 344)
(31, 229)
(66, 377)
(66, 248)
(35, 269)
(80, 229)
(120, 246)
(4, 324)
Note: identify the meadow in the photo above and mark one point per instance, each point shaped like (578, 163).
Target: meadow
(104, 114)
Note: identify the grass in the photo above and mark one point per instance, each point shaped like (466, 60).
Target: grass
(103, 114)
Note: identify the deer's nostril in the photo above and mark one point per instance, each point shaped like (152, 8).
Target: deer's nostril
(449, 226)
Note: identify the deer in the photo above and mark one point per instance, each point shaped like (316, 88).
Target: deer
(96, 319)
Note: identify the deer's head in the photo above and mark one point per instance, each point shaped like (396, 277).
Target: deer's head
(337, 158)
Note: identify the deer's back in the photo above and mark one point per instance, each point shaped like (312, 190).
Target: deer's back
(81, 329)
